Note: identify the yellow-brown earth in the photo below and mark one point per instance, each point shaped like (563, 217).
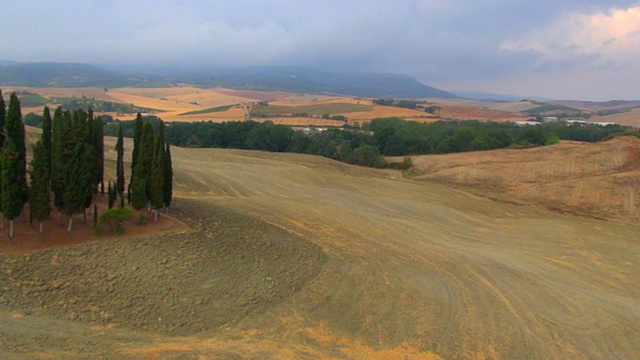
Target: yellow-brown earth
(295, 256)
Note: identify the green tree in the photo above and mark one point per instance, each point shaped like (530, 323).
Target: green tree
(138, 189)
(145, 155)
(78, 182)
(11, 190)
(156, 197)
(39, 197)
(168, 178)
(111, 195)
(3, 115)
(61, 149)
(137, 134)
(120, 163)
(15, 131)
(98, 143)
(47, 139)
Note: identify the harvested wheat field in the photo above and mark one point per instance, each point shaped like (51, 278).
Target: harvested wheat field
(631, 118)
(295, 256)
(598, 180)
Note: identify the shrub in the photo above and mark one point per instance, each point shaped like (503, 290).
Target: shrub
(114, 218)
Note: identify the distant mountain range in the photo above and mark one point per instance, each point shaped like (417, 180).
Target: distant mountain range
(291, 79)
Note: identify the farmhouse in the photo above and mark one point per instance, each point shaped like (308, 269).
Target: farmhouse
(527, 123)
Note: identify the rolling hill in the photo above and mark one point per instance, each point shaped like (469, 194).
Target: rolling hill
(296, 80)
(296, 256)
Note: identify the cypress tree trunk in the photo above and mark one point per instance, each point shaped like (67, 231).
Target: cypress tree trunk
(155, 219)
(70, 227)
(11, 229)
(95, 215)
(41, 228)
(1, 221)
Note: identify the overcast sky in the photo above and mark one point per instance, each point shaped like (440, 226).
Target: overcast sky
(570, 49)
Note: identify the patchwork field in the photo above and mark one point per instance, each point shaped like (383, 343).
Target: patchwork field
(188, 103)
(295, 256)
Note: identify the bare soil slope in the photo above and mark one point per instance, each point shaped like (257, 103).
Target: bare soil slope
(294, 256)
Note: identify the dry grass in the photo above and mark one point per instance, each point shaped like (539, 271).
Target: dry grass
(631, 118)
(598, 180)
(412, 269)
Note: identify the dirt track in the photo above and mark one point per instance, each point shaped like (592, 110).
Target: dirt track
(300, 257)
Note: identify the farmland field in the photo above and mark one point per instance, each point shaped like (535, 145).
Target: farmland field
(295, 256)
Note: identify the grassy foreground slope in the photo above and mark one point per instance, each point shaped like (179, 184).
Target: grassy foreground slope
(303, 257)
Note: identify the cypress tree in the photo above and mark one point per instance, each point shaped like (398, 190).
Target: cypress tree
(157, 175)
(3, 114)
(90, 187)
(93, 159)
(39, 199)
(138, 189)
(137, 133)
(46, 139)
(61, 150)
(15, 132)
(79, 183)
(11, 190)
(111, 195)
(98, 140)
(145, 155)
(168, 178)
(120, 163)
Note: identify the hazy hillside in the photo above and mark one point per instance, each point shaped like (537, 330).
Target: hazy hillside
(296, 80)
(69, 75)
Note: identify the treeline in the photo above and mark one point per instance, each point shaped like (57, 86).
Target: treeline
(407, 104)
(397, 137)
(66, 170)
(381, 137)
(355, 147)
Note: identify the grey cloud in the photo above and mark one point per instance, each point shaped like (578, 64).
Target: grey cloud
(434, 40)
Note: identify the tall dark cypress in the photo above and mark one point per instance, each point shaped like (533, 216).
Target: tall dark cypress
(120, 162)
(3, 114)
(137, 133)
(93, 158)
(98, 141)
(168, 178)
(145, 155)
(156, 195)
(138, 189)
(11, 190)
(39, 197)
(15, 131)
(60, 155)
(78, 182)
(46, 139)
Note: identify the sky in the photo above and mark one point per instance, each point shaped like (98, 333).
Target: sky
(569, 49)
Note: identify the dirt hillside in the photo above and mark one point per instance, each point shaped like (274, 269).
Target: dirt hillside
(301, 257)
(599, 180)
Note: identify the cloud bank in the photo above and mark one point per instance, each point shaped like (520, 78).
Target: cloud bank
(573, 49)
